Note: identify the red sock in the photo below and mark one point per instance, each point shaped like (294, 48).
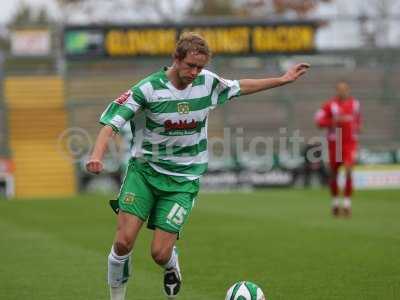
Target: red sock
(334, 185)
(348, 189)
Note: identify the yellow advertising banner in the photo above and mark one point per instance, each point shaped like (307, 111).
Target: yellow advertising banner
(227, 39)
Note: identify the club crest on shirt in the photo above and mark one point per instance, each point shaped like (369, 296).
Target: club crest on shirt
(129, 198)
(183, 108)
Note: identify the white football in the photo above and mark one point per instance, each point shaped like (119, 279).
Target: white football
(245, 290)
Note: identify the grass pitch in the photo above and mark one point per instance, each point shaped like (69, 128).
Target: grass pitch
(283, 240)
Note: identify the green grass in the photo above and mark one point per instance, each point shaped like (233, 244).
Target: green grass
(284, 240)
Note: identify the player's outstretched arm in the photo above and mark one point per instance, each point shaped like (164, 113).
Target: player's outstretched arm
(250, 86)
(95, 164)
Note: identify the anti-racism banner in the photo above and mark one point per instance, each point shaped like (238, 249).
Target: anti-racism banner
(30, 42)
(158, 40)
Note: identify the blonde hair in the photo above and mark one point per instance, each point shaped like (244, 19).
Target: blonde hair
(191, 42)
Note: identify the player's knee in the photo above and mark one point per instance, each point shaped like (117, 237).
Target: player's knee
(348, 170)
(122, 246)
(161, 255)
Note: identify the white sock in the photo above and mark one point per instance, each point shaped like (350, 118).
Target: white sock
(335, 202)
(173, 261)
(118, 293)
(347, 202)
(118, 274)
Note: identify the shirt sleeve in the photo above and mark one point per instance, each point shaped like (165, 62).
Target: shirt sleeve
(323, 116)
(224, 90)
(122, 109)
(357, 119)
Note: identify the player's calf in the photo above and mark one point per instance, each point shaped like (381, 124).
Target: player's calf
(347, 207)
(335, 207)
(161, 256)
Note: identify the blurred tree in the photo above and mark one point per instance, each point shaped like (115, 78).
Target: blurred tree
(279, 8)
(301, 8)
(23, 16)
(123, 11)
(164, 9)
(213, 8)
(27, 16)
(374, 20)
(43, 17)
(65, 2)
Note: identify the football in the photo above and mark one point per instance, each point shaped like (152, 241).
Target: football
(245, 290)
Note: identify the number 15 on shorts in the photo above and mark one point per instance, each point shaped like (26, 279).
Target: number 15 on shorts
(177, 214)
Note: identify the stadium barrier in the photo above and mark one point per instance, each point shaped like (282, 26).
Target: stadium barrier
(36, 119)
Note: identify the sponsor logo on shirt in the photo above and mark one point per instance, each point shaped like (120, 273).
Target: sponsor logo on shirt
(180, 125)
(164, 98)
(123, 98)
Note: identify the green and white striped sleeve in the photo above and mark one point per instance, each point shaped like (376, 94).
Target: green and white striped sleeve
(223, 90)
(122, 109)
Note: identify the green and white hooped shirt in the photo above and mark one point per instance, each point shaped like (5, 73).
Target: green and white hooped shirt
(173, 139)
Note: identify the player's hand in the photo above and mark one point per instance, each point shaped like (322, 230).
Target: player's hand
(295, 72)
(94, 166)
(343, 118)
(347, 118)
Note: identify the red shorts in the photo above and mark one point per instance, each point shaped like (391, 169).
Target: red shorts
(342, 154)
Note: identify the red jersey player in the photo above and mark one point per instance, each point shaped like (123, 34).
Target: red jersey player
(340, 115)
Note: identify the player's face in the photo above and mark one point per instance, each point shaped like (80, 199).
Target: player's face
(190, 66)
(342, 90)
